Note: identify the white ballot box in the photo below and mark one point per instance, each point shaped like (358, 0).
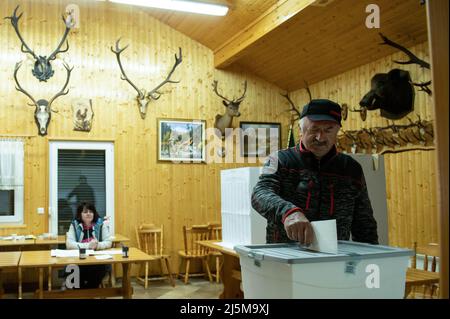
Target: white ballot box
(241, 224)
(357, 271)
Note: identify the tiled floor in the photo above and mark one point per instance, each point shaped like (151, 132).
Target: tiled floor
(197, 288)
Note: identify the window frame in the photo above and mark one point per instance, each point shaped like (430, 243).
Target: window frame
(54, 146)
(17, 218)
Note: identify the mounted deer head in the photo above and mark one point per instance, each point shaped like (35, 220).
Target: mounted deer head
(232, 110)
(42, 68)
(144, 97)
(42, 113)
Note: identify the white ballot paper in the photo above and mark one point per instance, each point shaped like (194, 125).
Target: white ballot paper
(68, 252)
(325, 236)
(101, 257)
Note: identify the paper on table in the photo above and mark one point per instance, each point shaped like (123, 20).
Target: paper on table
(108, 252)
(64, 253)
(101, 257)
(68, 252)
(325, 236)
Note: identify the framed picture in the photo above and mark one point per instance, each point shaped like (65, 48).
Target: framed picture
(259, 139)
(181, 140)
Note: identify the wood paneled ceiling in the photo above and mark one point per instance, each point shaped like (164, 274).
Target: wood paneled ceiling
(287, 42)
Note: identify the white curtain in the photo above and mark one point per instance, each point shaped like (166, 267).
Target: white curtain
(11, 176)
(11, 164)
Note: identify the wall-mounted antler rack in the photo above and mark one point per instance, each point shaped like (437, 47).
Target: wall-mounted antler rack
(389, 139)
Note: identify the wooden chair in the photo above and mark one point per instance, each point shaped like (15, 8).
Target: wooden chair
(192, 250)
(216, 234)
(150, 240)
(428, 279)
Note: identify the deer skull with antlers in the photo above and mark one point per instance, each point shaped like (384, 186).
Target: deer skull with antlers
(42, 68)
(232, 110)
(42, 113)
(143, 96)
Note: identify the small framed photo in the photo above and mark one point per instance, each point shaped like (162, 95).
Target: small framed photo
(181, 140)
(259, 139)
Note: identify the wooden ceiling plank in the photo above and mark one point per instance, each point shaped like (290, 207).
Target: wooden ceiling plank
(267, 22)
(295, 51)
(321, 60)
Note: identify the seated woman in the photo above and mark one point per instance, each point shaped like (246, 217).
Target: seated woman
(88, 231)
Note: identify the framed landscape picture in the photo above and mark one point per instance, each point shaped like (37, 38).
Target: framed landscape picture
(181, 140)
(259, 139)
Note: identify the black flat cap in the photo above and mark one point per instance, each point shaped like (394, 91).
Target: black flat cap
(322, 110)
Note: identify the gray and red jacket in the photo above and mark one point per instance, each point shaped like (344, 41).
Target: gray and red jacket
(332, 188)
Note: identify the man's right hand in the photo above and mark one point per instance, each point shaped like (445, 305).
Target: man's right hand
(298, 228)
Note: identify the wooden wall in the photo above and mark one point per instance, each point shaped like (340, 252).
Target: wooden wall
(410, 176)
(165, 193)
(145, 190)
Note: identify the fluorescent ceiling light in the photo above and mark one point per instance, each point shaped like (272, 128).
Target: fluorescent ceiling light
(179, 5)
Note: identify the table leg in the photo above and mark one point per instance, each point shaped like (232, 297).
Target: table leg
(113, 275)
(1, 284)
(126, 284)
(41, 283)
(113, 270)
(231, 286)
(19, 274)
(49, 278)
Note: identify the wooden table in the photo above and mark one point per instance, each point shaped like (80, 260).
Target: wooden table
(46, 243)
(230, 272)
(61, 239)
(16, 244)
(8, 260)
(41, 259)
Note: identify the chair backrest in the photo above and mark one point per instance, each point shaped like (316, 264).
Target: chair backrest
(430, 250)
(215, 231)
(150, 239)
(193, 234)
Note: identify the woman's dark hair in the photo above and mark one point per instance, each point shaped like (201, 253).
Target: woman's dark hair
(88, 206)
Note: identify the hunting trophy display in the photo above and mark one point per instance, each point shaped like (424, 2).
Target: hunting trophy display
(393, 92)
(232, 110)
(393, 138)
(42, 68)
(43, 108)
(144, 97)
(295, 113)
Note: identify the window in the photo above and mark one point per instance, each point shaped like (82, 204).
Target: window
(11, 181)
(6, 202)
(80, 172)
